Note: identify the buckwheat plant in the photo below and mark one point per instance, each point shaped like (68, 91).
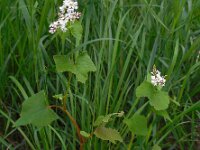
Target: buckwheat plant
(152, 90)
(36, 111)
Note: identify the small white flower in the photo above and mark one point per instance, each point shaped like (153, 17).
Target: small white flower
(53, 27)
(156, 78)
(63, 25)
(70, 10)
(73, 5)
(62, 9)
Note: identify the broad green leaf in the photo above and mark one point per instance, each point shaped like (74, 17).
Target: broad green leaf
(164, 114)
(145, 89)
(76, 30)
(84, 65)
(137, 124)
(108, 134)
(156, 147)
(64, 63)
(159, 100)
(85, 134)
(81, 68)
(35, 111)
(102, 120)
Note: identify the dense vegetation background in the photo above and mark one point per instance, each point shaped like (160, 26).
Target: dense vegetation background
(124, 38)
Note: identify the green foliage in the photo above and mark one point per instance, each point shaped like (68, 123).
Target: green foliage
(102, 120)
(146, 89)
(164, 114)
(157, 98)
(76, 30)
(156, 147)
(35, 111)
(85, 134)
(137, 124)
(175, 102)
(105, 133)
(80, 68)
(108, 134)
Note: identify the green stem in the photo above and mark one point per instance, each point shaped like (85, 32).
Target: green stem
(77, 52)
(150, 127)
(66, 94)
(131, 141)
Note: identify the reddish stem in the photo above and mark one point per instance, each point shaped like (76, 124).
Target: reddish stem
(81, 138)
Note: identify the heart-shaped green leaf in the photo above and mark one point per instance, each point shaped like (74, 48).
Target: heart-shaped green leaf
(35, 111)
(137, 124)
(159, 100)
(145, 89)
(81, 68)
(84, 65)
(64, 63)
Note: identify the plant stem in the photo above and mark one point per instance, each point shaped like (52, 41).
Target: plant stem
(81, 138)
(64, 100)
(131, 142)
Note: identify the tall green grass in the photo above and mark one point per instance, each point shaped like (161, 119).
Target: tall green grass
(124, 39)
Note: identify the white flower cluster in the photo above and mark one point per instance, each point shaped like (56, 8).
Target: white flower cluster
(66, 14)
(156, 78)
